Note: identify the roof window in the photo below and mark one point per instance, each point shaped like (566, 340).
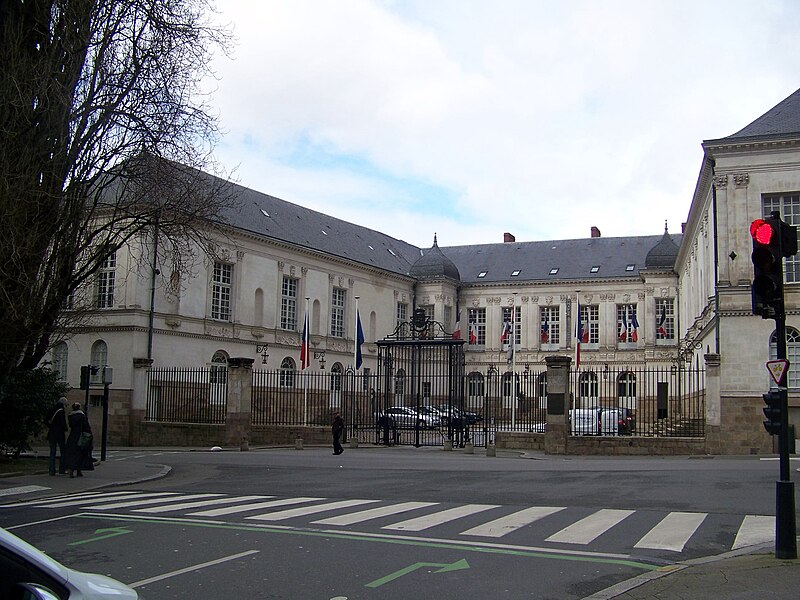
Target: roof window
(595, 268)
(515, 273)
(630, 267)
(265, 213)
(482, 274)
(554, 270)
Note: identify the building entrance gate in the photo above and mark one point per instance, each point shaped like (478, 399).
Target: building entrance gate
(420, 386)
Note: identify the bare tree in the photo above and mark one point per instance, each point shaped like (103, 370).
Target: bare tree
(103, 132)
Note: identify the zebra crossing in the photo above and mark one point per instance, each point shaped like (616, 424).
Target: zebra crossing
(559, 526)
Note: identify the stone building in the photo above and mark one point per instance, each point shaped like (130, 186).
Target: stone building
(656, 300)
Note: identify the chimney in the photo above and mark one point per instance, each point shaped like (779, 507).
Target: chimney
(508, 238)
(595, 232)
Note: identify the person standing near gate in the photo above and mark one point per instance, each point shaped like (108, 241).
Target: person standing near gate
(57, 436)
(337, 427)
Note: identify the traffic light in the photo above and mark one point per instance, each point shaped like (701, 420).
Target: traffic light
(767, 288)
(773, 411)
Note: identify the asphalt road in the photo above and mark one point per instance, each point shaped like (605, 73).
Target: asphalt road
(399, 523)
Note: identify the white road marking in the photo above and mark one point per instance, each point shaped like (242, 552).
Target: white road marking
(308, 510)
(199, 503)
(129, 503)
(98, 500)
(437, 518)
(374, 513)
(589, 528)
(23, 489)
(672, 532)
(230, 510)
(754, 530)
(503, 525)
(191, 569)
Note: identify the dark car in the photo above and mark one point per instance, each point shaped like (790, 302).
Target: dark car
(452, 412)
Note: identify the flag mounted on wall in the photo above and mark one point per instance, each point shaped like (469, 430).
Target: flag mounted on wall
(505, 332)
(473, 333)
(635, 325)
(660, 329)
(623, 331)
(578, 337)
(545, 335)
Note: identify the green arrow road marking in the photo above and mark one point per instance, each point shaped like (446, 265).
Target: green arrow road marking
(103, 534)
(444, 568)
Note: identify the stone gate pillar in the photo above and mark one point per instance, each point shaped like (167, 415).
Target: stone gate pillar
(555, 435)
(713, 426)
(240, 402)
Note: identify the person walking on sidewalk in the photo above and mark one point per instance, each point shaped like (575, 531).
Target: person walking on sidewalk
(57, 436)
(337, 427)
(79, 442)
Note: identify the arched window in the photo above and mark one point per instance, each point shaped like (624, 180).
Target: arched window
(218, 378)
(60, 361)
(99, 360)
(287, 373)
(475, 385)
(399, 386)
(507, 387)
(626, 389)
(587, 389)
(336, 384)
(541, 389)
(792, 355)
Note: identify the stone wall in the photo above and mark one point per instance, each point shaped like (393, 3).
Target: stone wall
(606, 445)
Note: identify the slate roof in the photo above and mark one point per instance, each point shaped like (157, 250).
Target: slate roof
(780, 121)
(273, 218)
(278, 219)
(574, 259)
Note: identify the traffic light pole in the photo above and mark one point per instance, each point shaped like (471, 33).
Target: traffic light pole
(785, 523)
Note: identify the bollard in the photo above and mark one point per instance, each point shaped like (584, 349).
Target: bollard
(298, 443)
(491, 450)
(469, 448)
(354, 442)
(448, 445)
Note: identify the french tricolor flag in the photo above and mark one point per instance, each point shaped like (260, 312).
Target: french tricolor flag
(305, 346)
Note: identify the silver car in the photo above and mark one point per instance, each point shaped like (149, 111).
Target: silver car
(405, 417)
(26, 572)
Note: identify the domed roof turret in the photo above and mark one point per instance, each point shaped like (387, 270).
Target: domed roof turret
(663, 254)
(433, 264)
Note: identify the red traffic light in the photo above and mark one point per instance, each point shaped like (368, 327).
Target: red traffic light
(762, 231)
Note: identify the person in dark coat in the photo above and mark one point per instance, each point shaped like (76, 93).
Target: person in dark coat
(78, 459)
(337, 427)
(57, 436)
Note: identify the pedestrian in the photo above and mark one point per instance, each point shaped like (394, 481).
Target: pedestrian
(79, 442)
(57, 436)
(337, 428)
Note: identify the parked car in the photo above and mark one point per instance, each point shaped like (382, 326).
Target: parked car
(406, 417)
(27, 572)
(602, 421)
(449, 411)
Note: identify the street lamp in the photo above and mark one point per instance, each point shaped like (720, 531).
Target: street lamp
(320, 356)
(262, 350)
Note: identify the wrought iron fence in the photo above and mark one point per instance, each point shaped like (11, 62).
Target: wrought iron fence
(473, 406)
(186, 395)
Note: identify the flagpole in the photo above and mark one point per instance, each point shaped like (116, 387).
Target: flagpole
(355, 337)
(513, 361)
(305, 379)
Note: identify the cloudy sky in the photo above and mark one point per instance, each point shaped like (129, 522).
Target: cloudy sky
(471, 118)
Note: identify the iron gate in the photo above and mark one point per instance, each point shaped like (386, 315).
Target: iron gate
(419, 396)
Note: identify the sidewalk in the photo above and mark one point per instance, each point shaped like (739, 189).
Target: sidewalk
(746, 574)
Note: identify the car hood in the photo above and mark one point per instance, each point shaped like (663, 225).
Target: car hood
(99, 587)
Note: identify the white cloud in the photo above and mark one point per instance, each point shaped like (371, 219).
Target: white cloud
(474, 118)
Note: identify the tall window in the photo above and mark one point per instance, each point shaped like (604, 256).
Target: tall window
(665, 319)
(475, 385)
(221, 291)
(549, 326)
(60, 361)
(402, 313)
(517, 322)
(792, 354)
(105, 282)
(588, 389)
(477, 326)
(287, 373)
(626, 389)
(99, 360)
(218, 378)
(289, 304)
(428, 308)
(590, 317)
(448, 317)
(627, 326)
(789, 207)
(338, 297)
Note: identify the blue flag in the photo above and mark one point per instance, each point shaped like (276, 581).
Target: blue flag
(359, 341)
